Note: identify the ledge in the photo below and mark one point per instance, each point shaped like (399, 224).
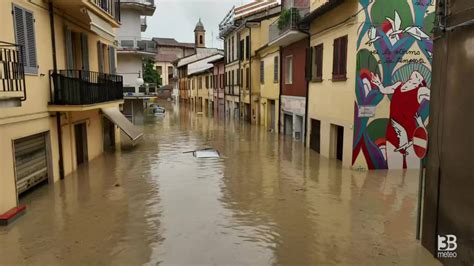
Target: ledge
(86, 107)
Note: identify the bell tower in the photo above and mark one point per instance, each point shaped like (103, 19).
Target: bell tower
(199, 35)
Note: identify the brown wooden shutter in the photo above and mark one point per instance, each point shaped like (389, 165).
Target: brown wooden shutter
(343, 57)
(319, 62)
(335, 63)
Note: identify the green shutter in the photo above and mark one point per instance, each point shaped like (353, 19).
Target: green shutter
(85, 51)
(69, 55)
(309, 63)
(100, 54)
(24, 23)
(112, 60)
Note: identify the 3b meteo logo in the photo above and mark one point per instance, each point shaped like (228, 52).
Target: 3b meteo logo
(447, 246)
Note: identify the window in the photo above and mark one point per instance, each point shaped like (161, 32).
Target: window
(23, 21)
(275, 69)
(238, 77)
(339, 65)
(289, 70)
(170, 72)
(241, 50)
(247, 77)
(159, 69)
(247, 47)
(262, 73)
(317, 73)
(200, 39)
(232, 49)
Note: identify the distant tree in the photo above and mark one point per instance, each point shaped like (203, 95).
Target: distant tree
(150, 74)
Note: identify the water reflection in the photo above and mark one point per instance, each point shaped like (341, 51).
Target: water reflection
(267, 200)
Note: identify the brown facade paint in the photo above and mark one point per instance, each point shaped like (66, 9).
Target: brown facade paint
(299, 84)
(448, 201)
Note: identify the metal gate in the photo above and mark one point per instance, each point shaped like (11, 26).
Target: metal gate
(31, 163)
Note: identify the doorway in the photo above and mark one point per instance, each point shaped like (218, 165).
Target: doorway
(80, 133)
(298, 127)
(315, 141)
(339, 142)
(272, 115)
(109, 134)
(288, 126)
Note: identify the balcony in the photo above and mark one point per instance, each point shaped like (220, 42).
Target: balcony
(143, 24)
(84, 88)
(111, 7)
(145, 7)
(286, 29)
(134, 45)
(12, 75)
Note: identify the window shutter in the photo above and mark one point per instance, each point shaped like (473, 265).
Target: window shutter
(85, 52)
(343, 55)
(100, 53)
(238, 77)
(25, 36)
(335, 63)
(69, 56)
(318, 62)
(308, 63)
(275, 68)
(262, 72)
(112, 60)
(31, 41)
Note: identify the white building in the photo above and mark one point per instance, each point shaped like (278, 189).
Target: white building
(131, 53)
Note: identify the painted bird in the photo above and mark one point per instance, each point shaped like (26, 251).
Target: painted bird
(372, 33)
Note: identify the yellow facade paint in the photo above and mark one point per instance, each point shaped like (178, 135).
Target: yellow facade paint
(33, 116)
(332, 102)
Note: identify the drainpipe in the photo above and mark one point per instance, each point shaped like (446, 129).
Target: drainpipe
(55, 69)
(307, 100)
(281, 88)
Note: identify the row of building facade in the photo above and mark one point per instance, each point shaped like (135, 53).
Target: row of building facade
(350, 79)
(64, 68)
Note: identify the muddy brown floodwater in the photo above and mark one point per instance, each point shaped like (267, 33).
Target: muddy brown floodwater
(267, 200)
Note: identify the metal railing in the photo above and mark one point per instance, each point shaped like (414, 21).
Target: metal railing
(111, 7)
(12, 72)
(135, 44)
(80, 87)
(288, 21)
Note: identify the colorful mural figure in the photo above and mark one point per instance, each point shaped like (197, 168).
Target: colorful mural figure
(394, 75)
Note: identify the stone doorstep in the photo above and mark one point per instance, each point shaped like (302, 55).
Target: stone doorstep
(11, 215)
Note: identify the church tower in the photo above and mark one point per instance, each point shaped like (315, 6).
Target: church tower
(199, 35)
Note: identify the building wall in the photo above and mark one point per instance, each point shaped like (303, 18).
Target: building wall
(218, 72)
(269, 89)
(299, 85)
(331, 102)
(402, 61)
(130, 24)
(164, 72)
(33, 116)
(129, 66)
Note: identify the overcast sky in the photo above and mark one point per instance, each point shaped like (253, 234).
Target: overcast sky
(177, 19)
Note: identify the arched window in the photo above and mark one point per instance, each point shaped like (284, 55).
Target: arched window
(200, 39)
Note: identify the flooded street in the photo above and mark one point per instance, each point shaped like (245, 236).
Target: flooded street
(266, 201)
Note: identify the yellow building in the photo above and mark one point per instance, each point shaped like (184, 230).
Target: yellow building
(69, 84)
(370, 78)
(268, 79)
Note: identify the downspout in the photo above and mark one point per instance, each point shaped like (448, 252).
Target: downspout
(307, 99)
(55, 69)
(281, 88)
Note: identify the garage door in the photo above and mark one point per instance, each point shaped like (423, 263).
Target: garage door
(31, 164)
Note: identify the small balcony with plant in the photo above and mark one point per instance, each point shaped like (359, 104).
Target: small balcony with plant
(287, 28)
(12, 75)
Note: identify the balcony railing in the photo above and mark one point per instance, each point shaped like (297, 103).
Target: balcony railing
(79, 87)
(288, 21)
(111, 7)
(133, 44)
(12, 73)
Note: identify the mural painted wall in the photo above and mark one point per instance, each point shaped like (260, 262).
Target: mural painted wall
(394, 56)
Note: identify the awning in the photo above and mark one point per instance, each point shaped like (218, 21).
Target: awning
(114, 115)
(101, 27)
